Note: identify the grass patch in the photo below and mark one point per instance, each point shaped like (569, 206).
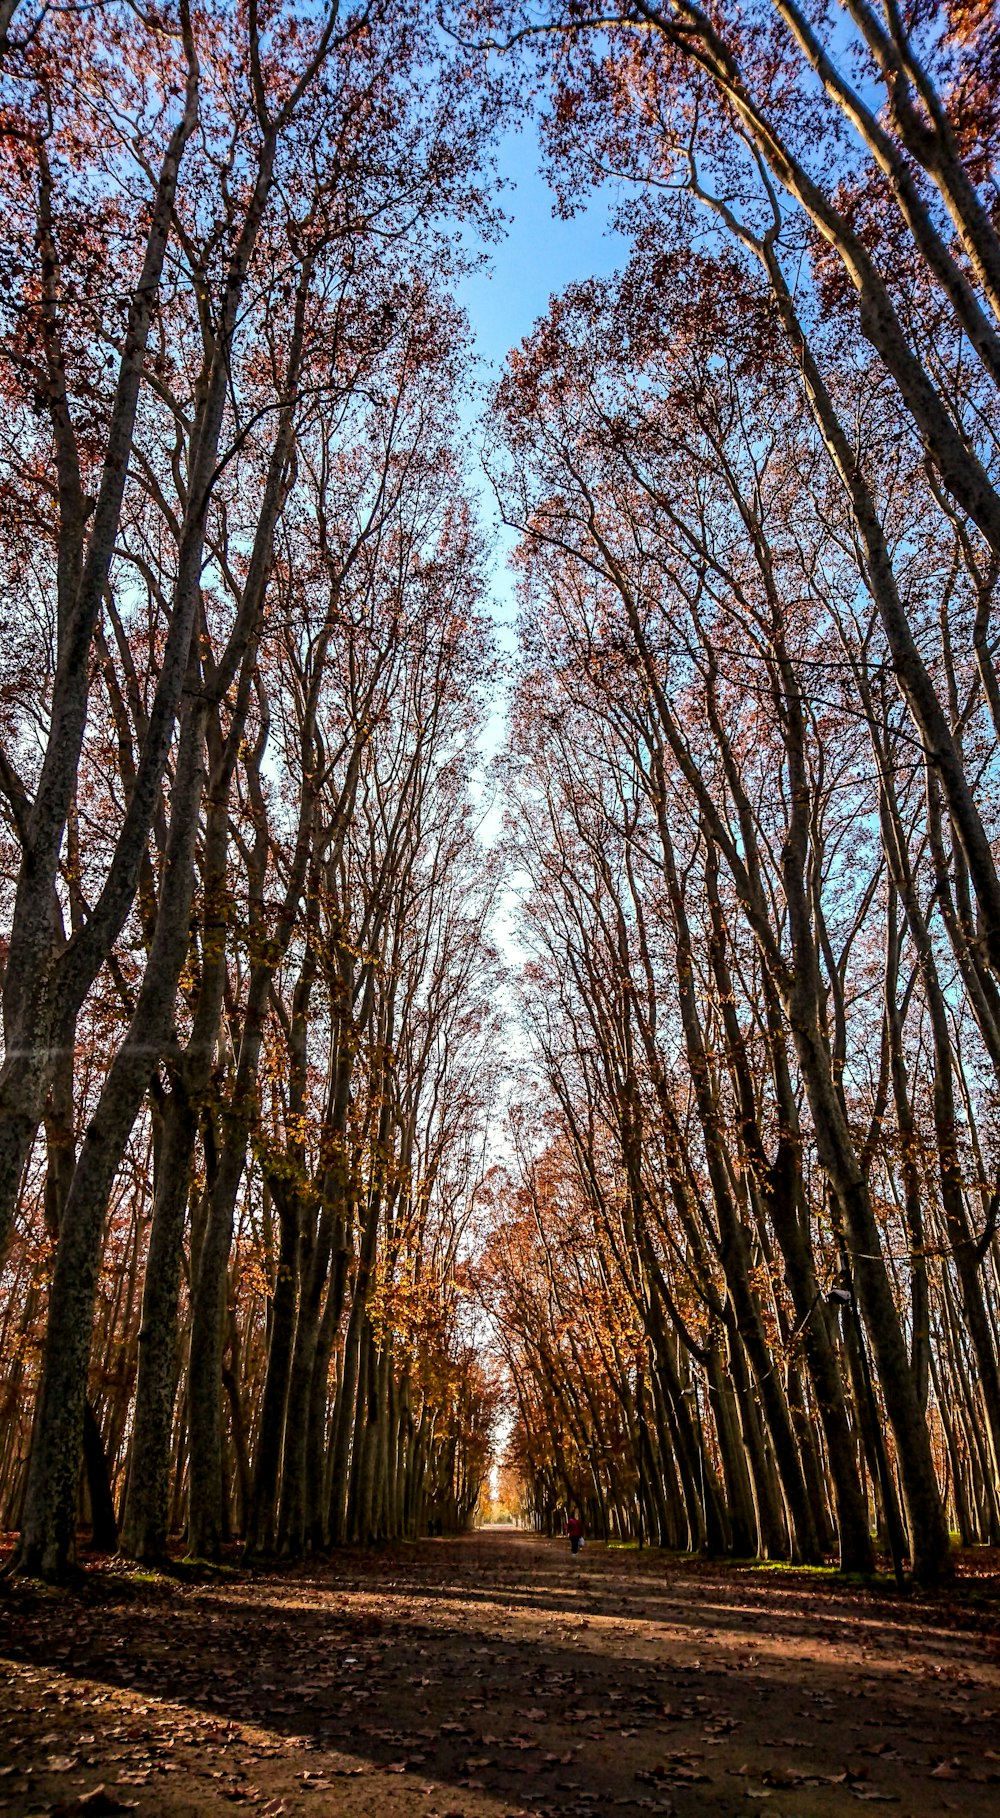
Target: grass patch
(197, 1570)
(882, 1582)
(785, 1565)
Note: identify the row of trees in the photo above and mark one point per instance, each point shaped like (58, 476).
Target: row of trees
(246, 1027)
(750, 1289)
(744, 1272)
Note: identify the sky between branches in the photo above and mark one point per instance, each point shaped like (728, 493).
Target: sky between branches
(539, 256)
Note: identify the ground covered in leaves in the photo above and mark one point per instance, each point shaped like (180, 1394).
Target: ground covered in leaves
(497, 1675)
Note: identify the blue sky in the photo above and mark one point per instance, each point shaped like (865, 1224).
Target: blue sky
(539, 255)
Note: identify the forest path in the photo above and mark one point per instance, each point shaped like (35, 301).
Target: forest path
(496, 1675)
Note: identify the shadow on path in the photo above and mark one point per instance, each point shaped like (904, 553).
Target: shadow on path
(496, 1675)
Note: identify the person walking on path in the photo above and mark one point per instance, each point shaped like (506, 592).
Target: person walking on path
(574, 1528)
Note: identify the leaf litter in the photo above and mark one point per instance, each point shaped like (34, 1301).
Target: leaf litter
(444, 1681)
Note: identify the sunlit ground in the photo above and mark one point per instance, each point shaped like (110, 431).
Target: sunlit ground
(496, 1675)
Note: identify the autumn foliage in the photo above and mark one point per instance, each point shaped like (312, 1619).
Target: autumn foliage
(308, 1201)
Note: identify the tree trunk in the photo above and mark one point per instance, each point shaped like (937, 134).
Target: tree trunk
(104, 1527)
(277, 1379)
(146, 1521)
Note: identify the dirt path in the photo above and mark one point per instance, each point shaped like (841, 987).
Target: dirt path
(491, 1676)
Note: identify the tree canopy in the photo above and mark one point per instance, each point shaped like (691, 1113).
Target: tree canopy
(346, 1143)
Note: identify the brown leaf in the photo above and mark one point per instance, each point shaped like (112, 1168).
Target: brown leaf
(948, 1770)
(783, 1777)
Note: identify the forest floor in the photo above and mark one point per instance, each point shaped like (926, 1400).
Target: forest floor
(497, 1675)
